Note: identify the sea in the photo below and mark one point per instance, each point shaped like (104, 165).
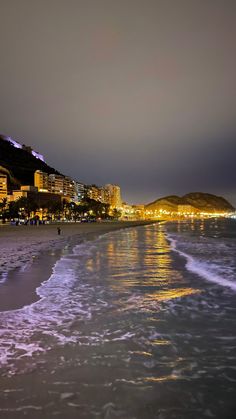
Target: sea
(137, 324)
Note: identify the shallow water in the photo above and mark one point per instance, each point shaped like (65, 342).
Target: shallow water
(135, 324)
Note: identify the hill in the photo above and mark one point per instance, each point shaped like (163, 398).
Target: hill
(203, 202)
(168, 203)
(20, 165)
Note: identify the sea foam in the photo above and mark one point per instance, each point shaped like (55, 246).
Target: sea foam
(205, 270)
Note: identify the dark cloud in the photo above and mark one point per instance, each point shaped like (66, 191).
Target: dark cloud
(139, 93)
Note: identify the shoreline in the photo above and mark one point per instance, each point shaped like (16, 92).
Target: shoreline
(29, 253)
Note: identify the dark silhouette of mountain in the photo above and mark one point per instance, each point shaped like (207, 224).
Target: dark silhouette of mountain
(204, 202)
(168, 203)
(20, 165)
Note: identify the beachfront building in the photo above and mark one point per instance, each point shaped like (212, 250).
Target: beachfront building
(105, 197)
(127, 212)
(94, 192)
(77, 191)
(187, 209)
(132, 212)
(56, 184)
(69, 189)
(101, 194)
(139, 211)
(41, 181)
(80, 191)
(42, 200)
(113, 195)
(62, 185)
(3, 186)
(25, 191)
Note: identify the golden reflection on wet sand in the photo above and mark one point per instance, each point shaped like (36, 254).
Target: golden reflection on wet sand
(132, 267)
(164, 295)
(163, 378)
(143, 353)
(161, 342)
(159, 257)
(152, 269)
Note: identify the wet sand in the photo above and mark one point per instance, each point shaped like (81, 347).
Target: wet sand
(28, 254)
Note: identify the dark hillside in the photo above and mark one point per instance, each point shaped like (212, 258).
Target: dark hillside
(20, 164)
(204, 202)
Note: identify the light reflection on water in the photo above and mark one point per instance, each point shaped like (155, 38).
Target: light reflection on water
(171, 294)
(141, 260)
(151, 347)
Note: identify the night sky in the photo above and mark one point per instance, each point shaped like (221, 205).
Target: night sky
(138, 93)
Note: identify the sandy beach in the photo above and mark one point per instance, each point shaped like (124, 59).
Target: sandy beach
(21, 245)
(120, 325)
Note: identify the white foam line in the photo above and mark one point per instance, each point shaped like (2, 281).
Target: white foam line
(3, 277)
(20, 409)
(194, 266)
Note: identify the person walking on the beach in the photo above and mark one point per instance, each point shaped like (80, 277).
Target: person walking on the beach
(58, 231)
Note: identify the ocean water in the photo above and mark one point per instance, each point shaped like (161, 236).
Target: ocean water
(137, 324)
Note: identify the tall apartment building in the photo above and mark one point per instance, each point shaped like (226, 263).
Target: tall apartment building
(77, 191)
(114, 196)
(80, 191)
(69, 188)
(3, 186)
(56, 184)
(105, 196)
(93, 192)
(62, 185)
(41, 181)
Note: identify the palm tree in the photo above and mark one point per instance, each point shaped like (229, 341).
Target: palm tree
(55, 209)
(26, 206)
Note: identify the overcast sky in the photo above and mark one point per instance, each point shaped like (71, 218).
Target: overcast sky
(141, 93)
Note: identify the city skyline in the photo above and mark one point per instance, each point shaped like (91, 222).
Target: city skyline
(139, 94)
